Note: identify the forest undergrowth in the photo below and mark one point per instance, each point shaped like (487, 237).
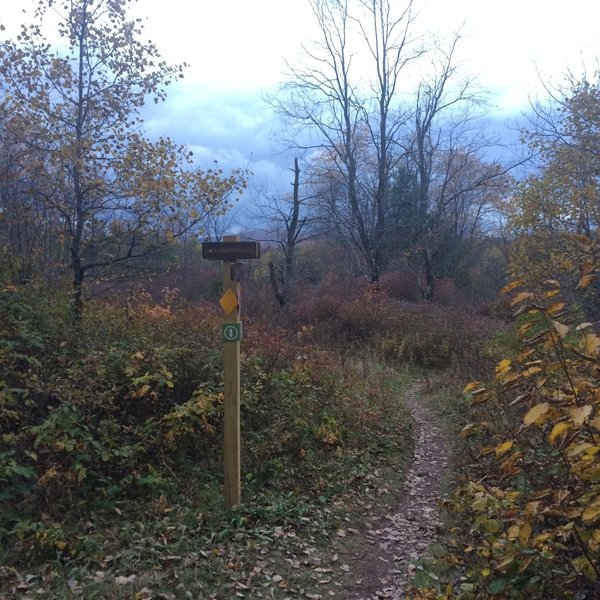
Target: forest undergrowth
(111, 437)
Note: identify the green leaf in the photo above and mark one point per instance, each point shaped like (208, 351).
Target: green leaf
(497, 586)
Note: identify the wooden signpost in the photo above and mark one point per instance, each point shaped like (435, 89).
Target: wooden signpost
(230, 250)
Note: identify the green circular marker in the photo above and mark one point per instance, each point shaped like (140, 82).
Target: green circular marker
(232, 332)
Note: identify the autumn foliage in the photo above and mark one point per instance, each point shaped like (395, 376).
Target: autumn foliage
(525, 520)
(83, 191)
(126, 407)
(531, 501)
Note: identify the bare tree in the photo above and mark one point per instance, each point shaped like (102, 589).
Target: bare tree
(353, 121)
(345, 102)
(446, 149)
(292, 225)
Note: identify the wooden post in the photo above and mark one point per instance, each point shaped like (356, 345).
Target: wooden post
(231, 381)
(230, 250)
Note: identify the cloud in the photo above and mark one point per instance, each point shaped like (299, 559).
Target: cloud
(235, 129)
(194, 114)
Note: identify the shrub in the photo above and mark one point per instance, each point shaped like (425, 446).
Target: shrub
(423, 334)
(126, 405)
(530, 510)
(401, 285)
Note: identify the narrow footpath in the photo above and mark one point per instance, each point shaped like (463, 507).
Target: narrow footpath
(393, 543)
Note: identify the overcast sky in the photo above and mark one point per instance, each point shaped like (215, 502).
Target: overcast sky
(236, 51)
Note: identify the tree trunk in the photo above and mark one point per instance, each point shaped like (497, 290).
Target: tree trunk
(429, 277)
(78, 276)
(293, 231)
(279, 295)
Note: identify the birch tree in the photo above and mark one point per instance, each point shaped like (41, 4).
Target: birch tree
(118, 195)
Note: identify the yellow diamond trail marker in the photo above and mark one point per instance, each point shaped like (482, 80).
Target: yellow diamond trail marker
(229, 301)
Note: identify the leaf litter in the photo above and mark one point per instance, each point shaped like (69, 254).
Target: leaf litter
(307, 557)
(393, 543)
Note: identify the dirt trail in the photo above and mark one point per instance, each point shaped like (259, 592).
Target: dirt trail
(393, 542)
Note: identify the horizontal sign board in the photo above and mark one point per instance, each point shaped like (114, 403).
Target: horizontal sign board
(230, 250)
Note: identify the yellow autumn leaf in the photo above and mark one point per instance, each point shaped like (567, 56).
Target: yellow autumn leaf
(592, 344)
(523, 329)
(555, 308)
(580, 413)
(520, 297)
(504, 563)
(557, 430)
(502, 366)
(525, 534)
(513, 532)
(591, 513)
(141, 392)
(524, 354)
(585, 281)
(535, 413)
(473, 385)
(531, 371)
(503, 448)
(509, 378)
(561, 328)
(509, 287)
(478, 392)
(576, 449)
